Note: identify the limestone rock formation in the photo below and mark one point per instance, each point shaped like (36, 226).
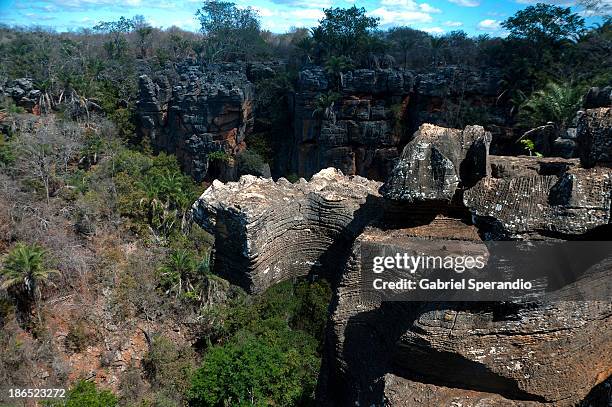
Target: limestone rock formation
(595, 137)
(197, 113)
(22, 91)
(431, 354)
(598, 97)
(375, 113)
(267, 231)
(529, 197)
(436, 162)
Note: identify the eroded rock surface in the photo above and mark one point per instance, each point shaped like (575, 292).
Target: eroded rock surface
(433, 354)
(376, 112)
(436, 162)
(529, 197)
(267, 231)
(195, 112)
(595, 137)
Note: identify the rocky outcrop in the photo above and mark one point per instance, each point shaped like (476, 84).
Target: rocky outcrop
(360, 123)
(529, 197)
(23, 92)
(351, 125)
(447, 195)
(598, 97)
(267, 231)
(198, 112)
(594, 136)
(436, 162)
(432, 354)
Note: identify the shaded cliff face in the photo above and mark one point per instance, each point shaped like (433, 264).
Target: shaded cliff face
(194, 112)
(369, 115)
(357, 122)
(522, 352)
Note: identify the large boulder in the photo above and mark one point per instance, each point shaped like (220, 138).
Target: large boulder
(267, 231)
(598, 97)
(594, 136)
(516, 353)
(529, 197)
(437, 162)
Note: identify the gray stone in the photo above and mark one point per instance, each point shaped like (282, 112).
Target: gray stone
(594, 137)
(436, 162)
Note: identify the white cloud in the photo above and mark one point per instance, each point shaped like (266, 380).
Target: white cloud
(489, 25)
(390, 17)
(466, 3)
(403, 12)
(453, 23)
(434, 30)
(307, 14)
(426, 8)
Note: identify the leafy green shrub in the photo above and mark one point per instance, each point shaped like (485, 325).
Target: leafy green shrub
(7, 155)
(556, 103)
(85, 394)
(249, 162)
(257, 370)
(267, 348)
(221, 156)
(529, 147)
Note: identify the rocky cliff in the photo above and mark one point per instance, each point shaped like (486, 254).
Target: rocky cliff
(359, 121)
(194, 112)
(446, 192)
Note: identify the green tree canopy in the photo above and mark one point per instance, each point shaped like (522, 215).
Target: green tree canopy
(229, 31)
(544, 23)
(344, 31)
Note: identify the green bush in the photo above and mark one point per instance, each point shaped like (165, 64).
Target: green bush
(7, 155)
(557, 103)
(269, 369)
(249, 162)
(267, 348)
(221, 156)
(85, 394)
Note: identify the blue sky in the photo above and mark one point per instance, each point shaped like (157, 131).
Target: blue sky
(435, 16)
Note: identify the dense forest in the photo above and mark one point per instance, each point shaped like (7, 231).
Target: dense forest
(96, 237)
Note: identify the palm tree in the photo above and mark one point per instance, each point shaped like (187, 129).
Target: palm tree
(24, 271)
(179, 271)
(335, 66)
(557, 103)
(437, 44)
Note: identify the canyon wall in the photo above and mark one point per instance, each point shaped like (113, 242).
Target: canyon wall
(445, 192)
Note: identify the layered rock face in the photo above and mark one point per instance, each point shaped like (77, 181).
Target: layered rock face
(595, 137)
(528, 197)
(267, 231)
(375, 112)
(356, 133)
(446, 195)
(196, 112)
(470, 354)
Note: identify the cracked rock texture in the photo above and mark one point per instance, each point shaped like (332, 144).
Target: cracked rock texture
(529, 197)
(193, 112)
(436, 354)
(595, 137)
(376, 112)
(266, 232)
(436, 162)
